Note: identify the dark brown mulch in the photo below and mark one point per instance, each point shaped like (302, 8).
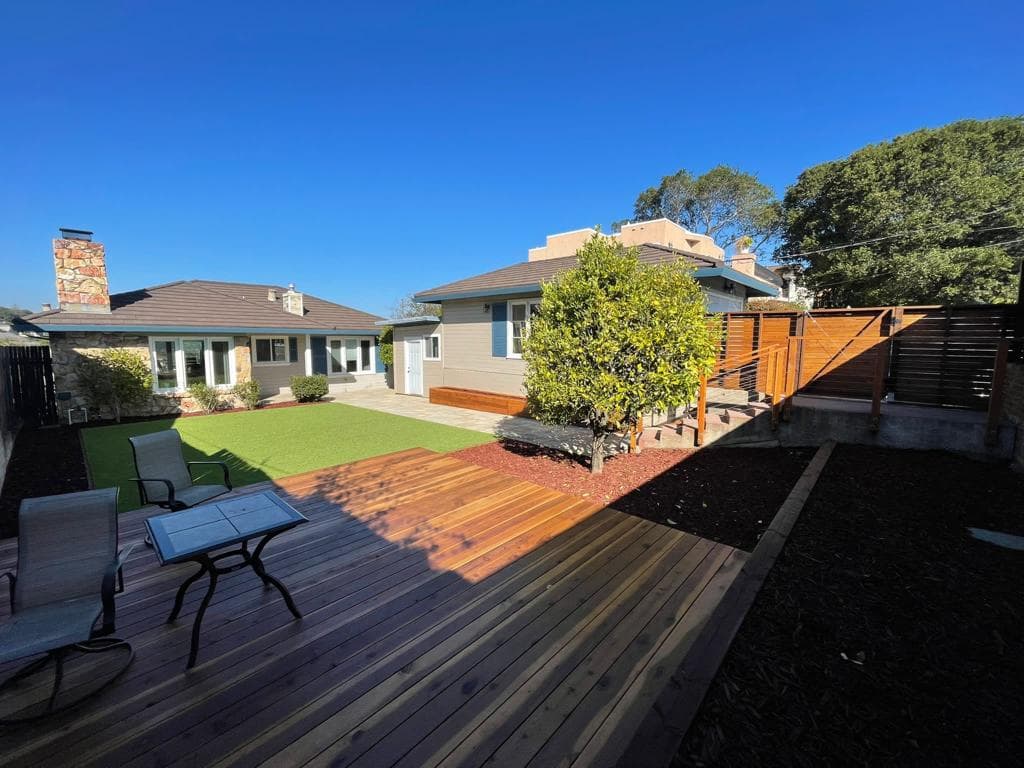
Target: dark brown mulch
(884, 634)
(726, 494)
(44, 462)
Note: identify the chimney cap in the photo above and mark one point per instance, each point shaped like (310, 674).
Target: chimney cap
(75, 234)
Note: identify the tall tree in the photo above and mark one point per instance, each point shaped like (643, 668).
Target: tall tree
(931, 217)
(409, 307)
(615, 338)
(724, 203)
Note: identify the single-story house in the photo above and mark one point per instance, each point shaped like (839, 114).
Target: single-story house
(191, 331)
(476, 343)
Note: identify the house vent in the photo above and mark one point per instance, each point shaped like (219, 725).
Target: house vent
(271, 294)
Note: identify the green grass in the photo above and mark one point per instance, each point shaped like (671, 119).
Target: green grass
(262, 445)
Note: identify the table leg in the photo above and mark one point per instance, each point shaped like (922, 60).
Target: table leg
(184, 588)
(268, 580)
(194, 650)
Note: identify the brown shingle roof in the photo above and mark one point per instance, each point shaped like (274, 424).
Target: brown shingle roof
(529, 274)
(211, 304)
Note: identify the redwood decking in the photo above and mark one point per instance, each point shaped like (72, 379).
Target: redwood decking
(451, 614)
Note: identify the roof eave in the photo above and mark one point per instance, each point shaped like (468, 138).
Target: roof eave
(419, 320)
(476, 293)
(190, 329)
(754, 284)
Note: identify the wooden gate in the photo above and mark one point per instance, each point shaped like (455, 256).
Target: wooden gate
(26, 387)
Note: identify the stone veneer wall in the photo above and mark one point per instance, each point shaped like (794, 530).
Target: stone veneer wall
(1013, 408)
(81, 268)
(67, 350)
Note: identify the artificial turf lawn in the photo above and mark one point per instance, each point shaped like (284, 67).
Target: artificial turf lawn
(263, 445)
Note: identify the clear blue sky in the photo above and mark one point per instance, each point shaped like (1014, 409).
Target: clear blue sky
(367, 150)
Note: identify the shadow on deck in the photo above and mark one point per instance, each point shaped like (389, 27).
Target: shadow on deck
(451, 614)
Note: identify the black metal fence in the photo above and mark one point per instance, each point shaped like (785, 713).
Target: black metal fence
(26, 387)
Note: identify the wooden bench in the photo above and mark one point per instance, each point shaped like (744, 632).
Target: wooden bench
(476, 400)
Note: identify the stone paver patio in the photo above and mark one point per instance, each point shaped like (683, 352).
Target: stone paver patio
(572, 439)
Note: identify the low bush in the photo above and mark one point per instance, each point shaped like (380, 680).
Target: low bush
(116, 379)
(206, 397)
(308, 389)
(248, 393)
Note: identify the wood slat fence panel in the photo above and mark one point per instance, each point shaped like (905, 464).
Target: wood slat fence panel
(938, 355)
(26, 387)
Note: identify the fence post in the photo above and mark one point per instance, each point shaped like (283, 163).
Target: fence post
(995, 402)
(878, 384)
(792, 383)
(773, 372)
(702, 411)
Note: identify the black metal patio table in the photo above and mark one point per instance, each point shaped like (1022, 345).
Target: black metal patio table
(196, 534)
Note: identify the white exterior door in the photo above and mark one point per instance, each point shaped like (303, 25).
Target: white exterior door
(414, 366)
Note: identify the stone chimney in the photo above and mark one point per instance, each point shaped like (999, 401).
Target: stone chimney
(81, 267)
(292, 300)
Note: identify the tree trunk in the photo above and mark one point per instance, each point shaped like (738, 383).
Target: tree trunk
(597, 454)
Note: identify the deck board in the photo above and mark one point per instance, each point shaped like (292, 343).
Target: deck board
(450, 614)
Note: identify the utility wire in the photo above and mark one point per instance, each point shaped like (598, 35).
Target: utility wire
(896, 269)
(906, 234)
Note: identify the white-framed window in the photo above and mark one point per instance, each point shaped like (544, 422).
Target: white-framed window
(350, 355)
(432, 347)
(179, 362)
(271, 350)
(519, 314)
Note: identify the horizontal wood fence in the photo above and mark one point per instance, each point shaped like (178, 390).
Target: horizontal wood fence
(26, 387)
(946, 356)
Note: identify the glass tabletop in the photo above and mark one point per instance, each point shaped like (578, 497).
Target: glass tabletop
(183, 535)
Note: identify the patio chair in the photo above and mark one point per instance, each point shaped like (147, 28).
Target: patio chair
(165, 478)
(69, 570)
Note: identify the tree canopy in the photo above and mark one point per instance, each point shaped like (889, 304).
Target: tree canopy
(935, 212)
(613, 339)
(10, 313)
(724, 203)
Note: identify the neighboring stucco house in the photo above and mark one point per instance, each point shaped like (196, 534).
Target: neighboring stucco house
(792, 290)
(477, 343)
(200, 331)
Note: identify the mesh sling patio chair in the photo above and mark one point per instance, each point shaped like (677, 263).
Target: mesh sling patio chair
(165, 478)
(69, 570)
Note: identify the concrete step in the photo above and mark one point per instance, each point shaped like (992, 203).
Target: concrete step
(665, 438)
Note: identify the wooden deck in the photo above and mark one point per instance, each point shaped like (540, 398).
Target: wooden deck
(452, 614)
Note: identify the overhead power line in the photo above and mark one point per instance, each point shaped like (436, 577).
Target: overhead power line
(896, 269)
(975, 217)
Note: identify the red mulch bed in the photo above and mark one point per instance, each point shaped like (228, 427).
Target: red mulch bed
(726, 494)
(44, 462)
(880, 568)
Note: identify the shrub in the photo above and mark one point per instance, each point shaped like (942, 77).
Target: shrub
(308, 389)
(115, 379)
(387, 346)
(207, 397)
(248, 392)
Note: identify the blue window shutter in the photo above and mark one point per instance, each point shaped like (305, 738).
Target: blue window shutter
(293, 348)
(380, 363)
(499, 330)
